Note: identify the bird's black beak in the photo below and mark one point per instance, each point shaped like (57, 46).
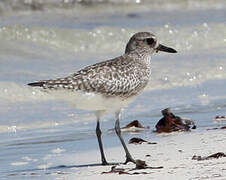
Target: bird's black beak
(165, 49)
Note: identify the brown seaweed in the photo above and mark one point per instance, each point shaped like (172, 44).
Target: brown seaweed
(139, 165)
(139, 141)
(170, 123)
(216, 156)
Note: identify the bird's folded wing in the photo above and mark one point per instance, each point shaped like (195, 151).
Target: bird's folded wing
(116, 77)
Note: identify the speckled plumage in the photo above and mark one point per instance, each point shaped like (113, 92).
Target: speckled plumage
(123, 76)
(118, 80)
(109, 85)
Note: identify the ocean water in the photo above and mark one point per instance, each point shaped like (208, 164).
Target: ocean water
(50, 39)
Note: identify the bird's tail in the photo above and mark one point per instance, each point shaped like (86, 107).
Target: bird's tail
(39, 84)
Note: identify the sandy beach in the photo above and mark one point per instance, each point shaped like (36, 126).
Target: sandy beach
(173, 151)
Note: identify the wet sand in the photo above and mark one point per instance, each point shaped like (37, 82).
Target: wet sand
(173, 151)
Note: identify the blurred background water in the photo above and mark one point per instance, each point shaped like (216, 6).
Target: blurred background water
(54, 38)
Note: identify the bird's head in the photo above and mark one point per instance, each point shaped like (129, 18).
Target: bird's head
(146, 41)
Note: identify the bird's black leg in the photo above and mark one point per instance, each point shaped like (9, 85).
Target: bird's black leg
(118, 132)
(98, 133)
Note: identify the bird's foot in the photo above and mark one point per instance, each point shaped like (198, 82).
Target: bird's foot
(139, 163)
(105, 163)
(130, 159)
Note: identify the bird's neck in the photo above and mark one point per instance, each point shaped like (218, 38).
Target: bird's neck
(147, 59)
(143, 55)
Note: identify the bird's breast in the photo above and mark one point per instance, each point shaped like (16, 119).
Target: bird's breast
(92, 101)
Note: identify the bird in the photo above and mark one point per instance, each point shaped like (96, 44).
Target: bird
(109, 86)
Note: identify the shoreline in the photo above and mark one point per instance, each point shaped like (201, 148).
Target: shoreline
(173, 151)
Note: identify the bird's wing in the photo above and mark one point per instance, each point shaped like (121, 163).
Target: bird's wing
(118, 76)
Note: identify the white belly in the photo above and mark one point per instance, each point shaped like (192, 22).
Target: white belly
(91, 101)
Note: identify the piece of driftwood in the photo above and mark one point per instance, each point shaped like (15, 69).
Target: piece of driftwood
(139, 165)
(220, 118)
(170, 123)
(139, 141)
(134, 123)
(114, 169)
(223, 127)
(134, 126)
(216, 156)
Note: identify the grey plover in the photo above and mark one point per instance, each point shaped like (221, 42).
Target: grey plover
(110, 85)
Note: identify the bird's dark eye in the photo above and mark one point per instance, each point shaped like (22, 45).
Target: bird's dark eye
(150, 41)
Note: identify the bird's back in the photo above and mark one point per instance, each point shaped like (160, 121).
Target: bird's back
(118, 80)
(122, 77)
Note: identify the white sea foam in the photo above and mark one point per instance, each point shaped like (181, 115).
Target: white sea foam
(26, 6)
(57, 150)
(194, 37)
(169, 70)
(21, 163)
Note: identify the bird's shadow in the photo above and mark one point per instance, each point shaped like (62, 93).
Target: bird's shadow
(74, 166)
(59, 167)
